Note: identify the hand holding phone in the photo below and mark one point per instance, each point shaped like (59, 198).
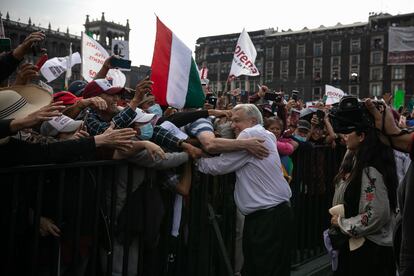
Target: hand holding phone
(120, 63)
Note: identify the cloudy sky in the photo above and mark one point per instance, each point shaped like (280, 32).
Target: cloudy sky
(190, 20)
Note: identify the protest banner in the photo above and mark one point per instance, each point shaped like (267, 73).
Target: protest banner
(244, 57)
(399, 98)
(93, 58)
(54, 67)
(400, 45)
(120, 48)
(333, 94)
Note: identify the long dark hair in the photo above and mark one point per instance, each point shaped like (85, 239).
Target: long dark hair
(373, 153)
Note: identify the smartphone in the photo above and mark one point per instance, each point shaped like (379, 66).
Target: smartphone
(43, 58)
(148, 74)
(37, 47)
(320, 114)
(5, 45)
(120, 63)
(213, 101)
(275, 97)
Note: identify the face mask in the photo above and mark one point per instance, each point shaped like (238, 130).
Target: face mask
(155, 109)
(300, 138)
(146, 131)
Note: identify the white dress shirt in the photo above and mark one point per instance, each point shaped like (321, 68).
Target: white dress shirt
(259, 183)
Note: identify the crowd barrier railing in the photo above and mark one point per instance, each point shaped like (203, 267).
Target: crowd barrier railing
(111, 223)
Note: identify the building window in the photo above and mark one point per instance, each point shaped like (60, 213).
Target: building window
(355, 45)
(397, 72)
(317, 49)
(376, 57)
(300, 69)
(216, 51)
(225, 68)
(335, 68)
(375, 89)
(354, 73)
(284, 52)
(377, 42)
(212, 67)
(317, 69)
(316, 93)
(397, 85)
(353, 90)
(269, 71)
(376, 73)
(300, 51)
(354, 59)
(284, 69)
(336, 48)
(269, 53)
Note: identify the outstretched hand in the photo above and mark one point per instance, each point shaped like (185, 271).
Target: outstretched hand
(25, 46)
(45, 113)
(116, 138)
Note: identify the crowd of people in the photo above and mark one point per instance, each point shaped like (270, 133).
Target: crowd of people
(251, 136)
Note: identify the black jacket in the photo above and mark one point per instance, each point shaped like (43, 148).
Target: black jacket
(8, 64)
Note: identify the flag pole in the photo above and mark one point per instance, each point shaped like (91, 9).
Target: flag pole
(81, 66)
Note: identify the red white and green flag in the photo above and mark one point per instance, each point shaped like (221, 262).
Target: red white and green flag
(174, 72)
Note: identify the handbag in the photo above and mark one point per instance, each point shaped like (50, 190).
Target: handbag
(338, 239)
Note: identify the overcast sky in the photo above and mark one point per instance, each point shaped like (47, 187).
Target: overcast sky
(190, 20)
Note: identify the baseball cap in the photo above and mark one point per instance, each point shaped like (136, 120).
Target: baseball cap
(59, 124)
(303, 124)
(66, 97)
(142, 116)
(77, 87)
(100, 86)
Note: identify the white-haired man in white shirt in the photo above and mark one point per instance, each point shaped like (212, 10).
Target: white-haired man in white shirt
(261, 194)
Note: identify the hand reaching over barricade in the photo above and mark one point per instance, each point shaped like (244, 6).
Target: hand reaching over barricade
(44, 114)
(142, 88)
(154, 150)
(116, 138)
(48, 227)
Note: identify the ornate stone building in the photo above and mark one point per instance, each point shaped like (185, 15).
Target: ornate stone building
(57, 43)
(352, 57)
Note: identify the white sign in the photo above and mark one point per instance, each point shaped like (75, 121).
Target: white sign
(333, 94)
(120, 48)
(401, 45)
(116, 77)
(93, 57)
(244, 57)
(60, 122)
(54, 67)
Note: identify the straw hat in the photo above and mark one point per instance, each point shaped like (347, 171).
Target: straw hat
(21, 100)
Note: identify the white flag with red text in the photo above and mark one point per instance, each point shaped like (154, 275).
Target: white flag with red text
(54, 67)
(244, 57)
(333, 94)
(93, 58)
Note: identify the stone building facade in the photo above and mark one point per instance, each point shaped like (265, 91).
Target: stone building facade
(352, 57)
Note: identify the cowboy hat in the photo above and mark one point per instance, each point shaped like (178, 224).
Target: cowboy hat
(21, 100)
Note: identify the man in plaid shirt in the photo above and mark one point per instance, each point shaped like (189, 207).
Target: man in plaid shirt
(97, 121)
